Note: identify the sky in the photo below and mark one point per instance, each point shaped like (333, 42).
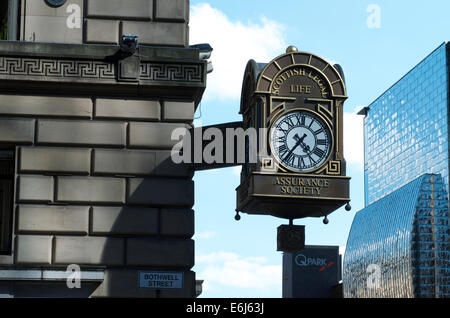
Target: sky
(376, 43)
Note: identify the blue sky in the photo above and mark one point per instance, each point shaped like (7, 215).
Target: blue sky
(239, 259)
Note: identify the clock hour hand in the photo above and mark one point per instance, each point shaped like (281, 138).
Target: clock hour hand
(299, 141)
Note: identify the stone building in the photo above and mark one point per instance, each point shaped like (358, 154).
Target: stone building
(86, 176)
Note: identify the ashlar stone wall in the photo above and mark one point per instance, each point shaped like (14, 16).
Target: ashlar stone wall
(156, 22)
(96, 185)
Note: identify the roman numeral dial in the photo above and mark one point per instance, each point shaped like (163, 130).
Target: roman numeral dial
(300, 141)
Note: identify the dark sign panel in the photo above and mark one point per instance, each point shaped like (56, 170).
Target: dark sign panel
(280, 194)
(313, 272)
(290, 238)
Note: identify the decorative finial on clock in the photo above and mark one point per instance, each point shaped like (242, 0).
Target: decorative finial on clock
(291, 49)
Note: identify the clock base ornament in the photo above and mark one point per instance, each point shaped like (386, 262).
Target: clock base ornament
(290, 238)
(292, 196)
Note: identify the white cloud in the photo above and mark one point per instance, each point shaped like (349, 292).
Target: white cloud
(331, 61)
(232, 270)
(237, 170)
(354, 140)
(342, 250)
(205, 235)
(241, 276)
(197, 122)
(234, 44)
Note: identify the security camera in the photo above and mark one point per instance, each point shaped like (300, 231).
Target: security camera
(129, 43)
(204, 53)
(205, 50)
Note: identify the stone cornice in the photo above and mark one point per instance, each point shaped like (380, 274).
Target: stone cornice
(69, 69)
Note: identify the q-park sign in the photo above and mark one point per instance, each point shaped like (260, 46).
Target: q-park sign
(303, 261)
(312, 272)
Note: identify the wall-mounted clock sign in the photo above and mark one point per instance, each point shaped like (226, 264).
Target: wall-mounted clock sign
(296, 103)
(301, 141)
(55, 3)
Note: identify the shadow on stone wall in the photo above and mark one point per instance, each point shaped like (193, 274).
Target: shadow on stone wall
(155, 226)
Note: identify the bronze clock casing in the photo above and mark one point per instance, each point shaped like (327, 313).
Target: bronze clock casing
(295, 81)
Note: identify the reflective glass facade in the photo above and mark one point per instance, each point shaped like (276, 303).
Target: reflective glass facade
(406, 129)
(399, 245)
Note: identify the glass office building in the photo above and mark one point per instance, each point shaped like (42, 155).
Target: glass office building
(399, 245)
(406, 128)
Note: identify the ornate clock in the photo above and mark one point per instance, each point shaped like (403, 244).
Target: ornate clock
(296, 101)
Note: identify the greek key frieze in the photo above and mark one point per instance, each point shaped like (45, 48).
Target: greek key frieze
(172, 72)
(17, 66)
(37, 68)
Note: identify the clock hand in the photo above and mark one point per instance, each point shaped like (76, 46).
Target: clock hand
(304, 146)
(298, 143)
(298, 139)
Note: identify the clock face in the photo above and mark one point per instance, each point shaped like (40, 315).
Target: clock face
(55, 3)
(300, 141)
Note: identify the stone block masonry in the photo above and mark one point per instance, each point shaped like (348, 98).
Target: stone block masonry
(93, 180)
(57, 160)
(48, 219)
(17, 130)
(77, 132)
(96, 186)
(156, 22)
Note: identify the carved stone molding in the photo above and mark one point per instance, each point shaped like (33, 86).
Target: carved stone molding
(90, 70)
(37, 67)
(172, 72)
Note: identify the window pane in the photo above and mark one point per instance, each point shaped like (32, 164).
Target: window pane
(3, 20)
(6, 193)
